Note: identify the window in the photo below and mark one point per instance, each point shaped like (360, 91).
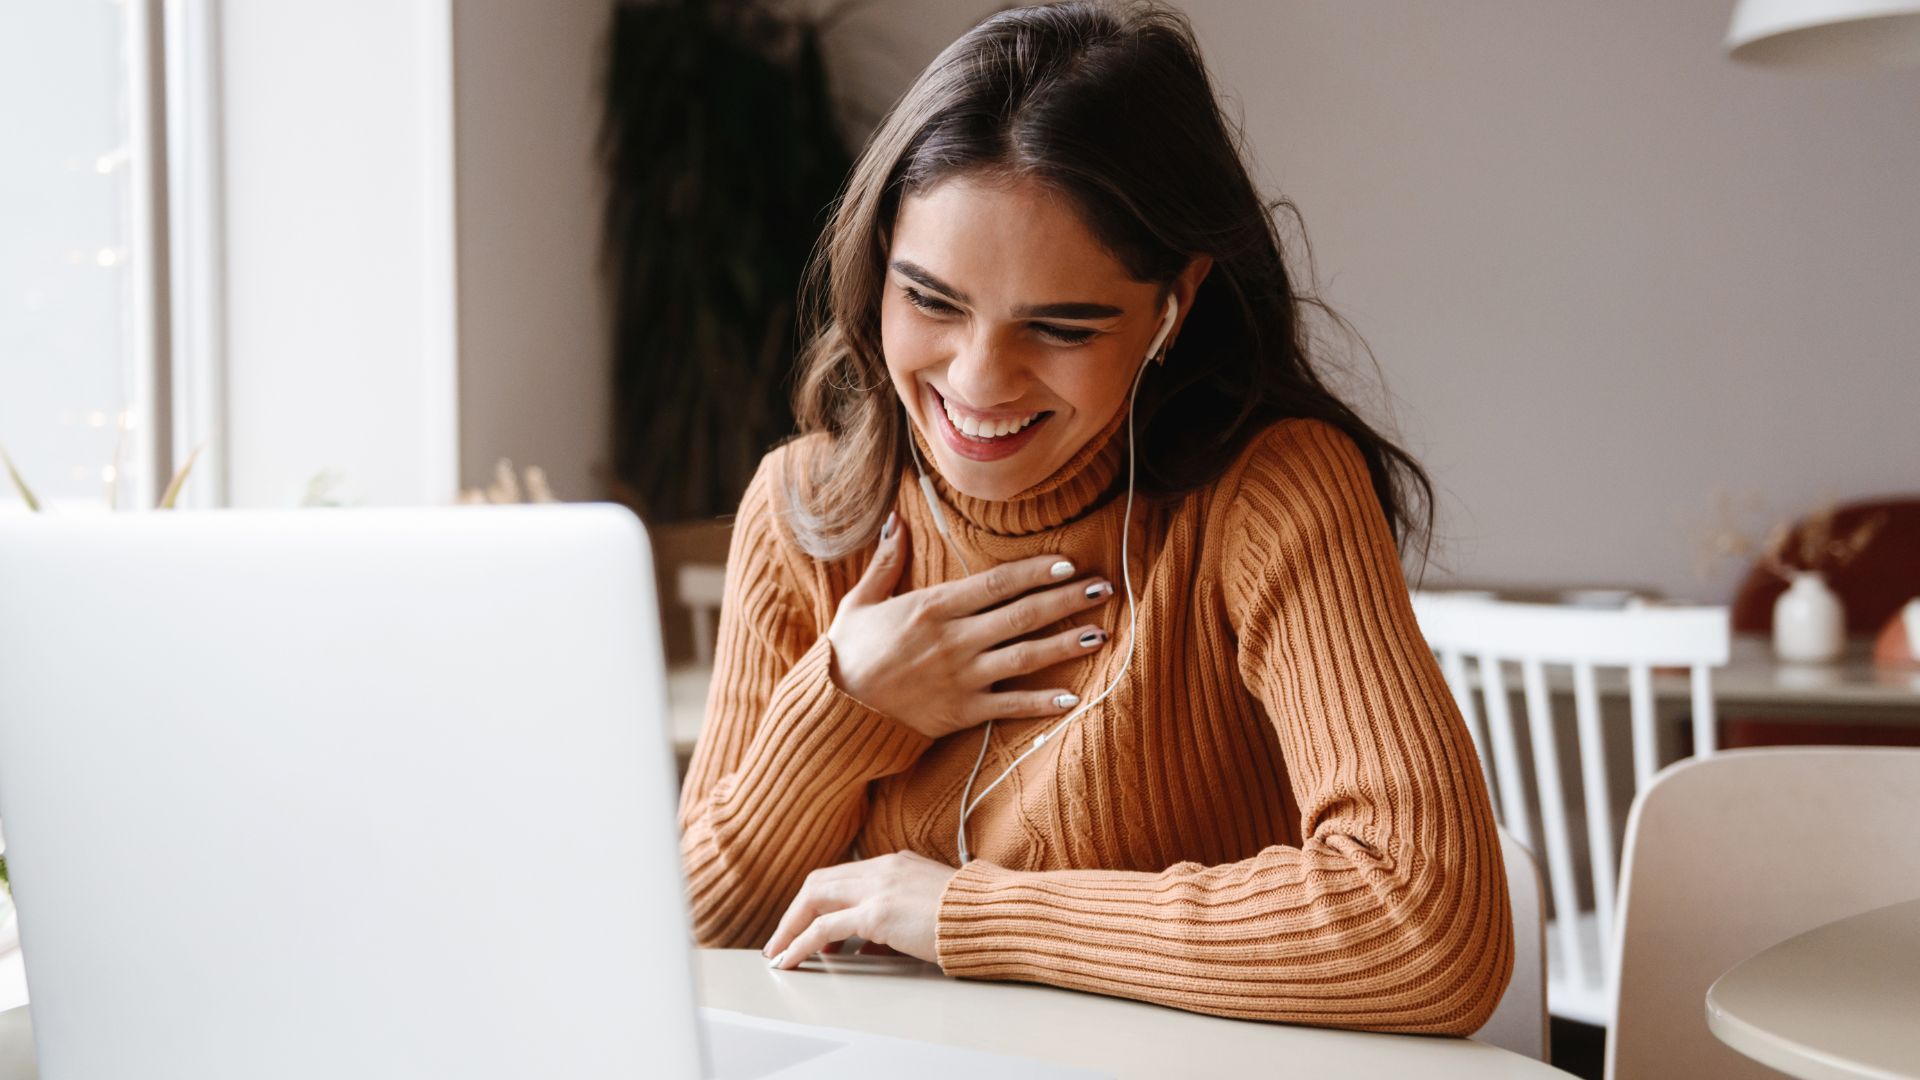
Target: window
(76, 375)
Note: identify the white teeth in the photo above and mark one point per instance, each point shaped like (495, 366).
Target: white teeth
(991, 429)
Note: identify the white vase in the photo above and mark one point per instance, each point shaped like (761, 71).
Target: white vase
(1808, 627)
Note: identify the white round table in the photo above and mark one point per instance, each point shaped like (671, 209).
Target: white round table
(1836, 1003)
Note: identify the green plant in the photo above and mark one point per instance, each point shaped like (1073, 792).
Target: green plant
(722, 155)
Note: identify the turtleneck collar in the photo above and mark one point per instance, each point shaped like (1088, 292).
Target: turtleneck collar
(1070, 492)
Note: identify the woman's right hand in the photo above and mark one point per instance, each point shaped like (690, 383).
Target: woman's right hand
(929, 658)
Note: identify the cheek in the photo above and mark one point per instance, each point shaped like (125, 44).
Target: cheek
(906, 343)
(1094, 386)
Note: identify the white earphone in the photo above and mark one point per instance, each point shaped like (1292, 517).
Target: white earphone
(968, 801)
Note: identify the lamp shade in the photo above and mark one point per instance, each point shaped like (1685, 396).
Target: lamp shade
(1840, 34)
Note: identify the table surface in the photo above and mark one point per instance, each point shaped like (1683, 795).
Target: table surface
(1839, 1001)
(1753, 675)
(911, 1000)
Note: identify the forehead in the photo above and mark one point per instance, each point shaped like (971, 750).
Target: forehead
(1005, 241)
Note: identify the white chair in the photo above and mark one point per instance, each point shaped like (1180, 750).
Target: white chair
(698, 587)
(1519, 1022)
(1493, 634)
(1729, 856)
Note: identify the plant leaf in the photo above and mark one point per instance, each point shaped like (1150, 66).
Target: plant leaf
(19, 485)
(179, 480)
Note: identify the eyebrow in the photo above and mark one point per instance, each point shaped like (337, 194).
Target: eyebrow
(1078, 309)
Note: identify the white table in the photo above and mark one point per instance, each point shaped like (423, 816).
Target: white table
(1124, 1038)
(1842, 1001)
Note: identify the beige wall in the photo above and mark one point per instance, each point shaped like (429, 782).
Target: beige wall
(533, 334)
(1606, 272)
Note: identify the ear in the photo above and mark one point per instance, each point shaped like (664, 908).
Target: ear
(1185, 288)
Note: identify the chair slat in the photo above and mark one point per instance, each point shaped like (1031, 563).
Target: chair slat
(1646, 745)
(1506, 753)
(1453, 664)
(1599, 800)
(1706, 736)
(1553, 815)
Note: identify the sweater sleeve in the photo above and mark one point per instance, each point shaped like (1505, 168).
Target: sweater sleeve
(1392, 913)
(778, 783)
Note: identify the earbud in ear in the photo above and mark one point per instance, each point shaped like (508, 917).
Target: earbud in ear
(1166, 328)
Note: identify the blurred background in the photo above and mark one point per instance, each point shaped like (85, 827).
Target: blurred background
(1620, 287)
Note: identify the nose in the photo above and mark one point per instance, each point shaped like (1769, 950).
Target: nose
(985, 376)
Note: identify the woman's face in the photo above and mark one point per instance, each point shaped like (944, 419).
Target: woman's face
(1011, 335)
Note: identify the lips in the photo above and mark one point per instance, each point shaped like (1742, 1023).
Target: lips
(1013, 432)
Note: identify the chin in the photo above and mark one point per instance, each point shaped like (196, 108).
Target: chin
(1000, 481)
(998, 485)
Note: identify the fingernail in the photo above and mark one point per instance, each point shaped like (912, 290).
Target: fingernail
(1091, 638)
(1099, 589)
(1065, 701)
(777, 961)
(886, 531)
(1061, 569)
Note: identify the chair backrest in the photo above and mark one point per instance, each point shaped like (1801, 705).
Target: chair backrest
(1729, 856)
(1519, 1022)
(699, 588)
(1493, 633)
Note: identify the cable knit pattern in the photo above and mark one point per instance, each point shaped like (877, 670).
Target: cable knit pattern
(1277, 814)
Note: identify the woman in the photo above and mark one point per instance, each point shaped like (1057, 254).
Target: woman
(1262, 802)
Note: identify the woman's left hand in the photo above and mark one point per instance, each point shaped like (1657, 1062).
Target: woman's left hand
(893, 900)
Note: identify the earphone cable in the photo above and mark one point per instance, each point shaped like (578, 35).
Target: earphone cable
(968, 801)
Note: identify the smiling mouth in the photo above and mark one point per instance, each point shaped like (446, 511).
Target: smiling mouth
(988, 440)
(987, 430)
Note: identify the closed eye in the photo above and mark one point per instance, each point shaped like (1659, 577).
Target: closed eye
(1064, 335)
(927, 303)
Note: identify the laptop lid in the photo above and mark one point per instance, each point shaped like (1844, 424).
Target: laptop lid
(327, 793)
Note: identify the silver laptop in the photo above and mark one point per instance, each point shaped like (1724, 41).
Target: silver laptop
(367, 793)
(342, 793)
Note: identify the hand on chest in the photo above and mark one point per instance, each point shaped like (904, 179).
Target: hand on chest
(1084, 635)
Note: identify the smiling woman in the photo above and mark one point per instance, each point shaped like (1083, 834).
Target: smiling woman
(1236, 783)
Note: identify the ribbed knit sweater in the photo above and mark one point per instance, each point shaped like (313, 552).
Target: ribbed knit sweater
(1277, 815)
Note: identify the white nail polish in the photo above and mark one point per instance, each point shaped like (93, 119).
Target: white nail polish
(1065, 701)
(777, 961)
(1061, 569)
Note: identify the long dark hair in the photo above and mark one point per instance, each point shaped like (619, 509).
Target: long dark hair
(1111, 105)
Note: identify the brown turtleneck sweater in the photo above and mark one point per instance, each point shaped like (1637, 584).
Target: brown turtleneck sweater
(1277, 814)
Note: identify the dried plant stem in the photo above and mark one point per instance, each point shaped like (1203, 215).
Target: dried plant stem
(19, 485)
(179, 480)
